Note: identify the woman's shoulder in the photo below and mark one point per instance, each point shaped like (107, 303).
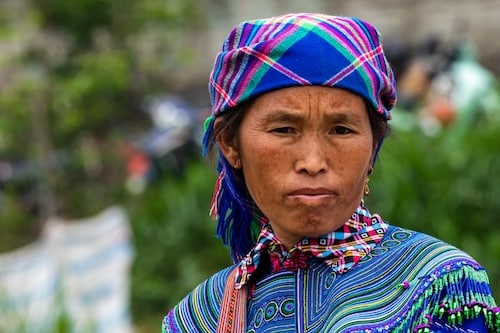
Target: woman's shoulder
(449, 286)
(200, 309)
(428, 251)
(427, 258)
(408, 253)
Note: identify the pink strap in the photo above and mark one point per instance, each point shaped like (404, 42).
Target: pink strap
(233, 308)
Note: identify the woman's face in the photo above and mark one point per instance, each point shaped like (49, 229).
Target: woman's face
(305, 153)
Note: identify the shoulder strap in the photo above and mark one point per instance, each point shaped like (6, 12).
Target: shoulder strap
(233, 308)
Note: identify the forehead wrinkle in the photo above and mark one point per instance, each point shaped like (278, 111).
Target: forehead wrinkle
(296, 116)
(331, 108)
(310, 103)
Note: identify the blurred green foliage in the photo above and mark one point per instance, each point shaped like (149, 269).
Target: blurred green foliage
(73, 80)
(175, 240)
(445, 185)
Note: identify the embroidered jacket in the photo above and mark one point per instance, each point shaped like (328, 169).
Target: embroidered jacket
(410, 282)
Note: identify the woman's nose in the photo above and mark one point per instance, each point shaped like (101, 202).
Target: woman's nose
(311, 156)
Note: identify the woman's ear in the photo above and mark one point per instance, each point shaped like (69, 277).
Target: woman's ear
(228, 146)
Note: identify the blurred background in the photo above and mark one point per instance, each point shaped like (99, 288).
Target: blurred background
(104, 197)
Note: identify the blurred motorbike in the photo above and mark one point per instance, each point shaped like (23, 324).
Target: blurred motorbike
(444, 85)
(172, 141)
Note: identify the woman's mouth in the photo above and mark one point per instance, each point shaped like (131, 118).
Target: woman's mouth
(312, 196)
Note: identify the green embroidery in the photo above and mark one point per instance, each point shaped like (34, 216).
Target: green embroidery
(452, 296)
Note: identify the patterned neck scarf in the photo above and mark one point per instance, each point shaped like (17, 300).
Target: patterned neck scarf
(341, 249)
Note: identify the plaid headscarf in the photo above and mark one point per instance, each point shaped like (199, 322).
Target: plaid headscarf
(298, 50)
(305, 49)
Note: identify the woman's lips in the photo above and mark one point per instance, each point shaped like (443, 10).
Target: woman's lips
(312, 195)
(311, 191)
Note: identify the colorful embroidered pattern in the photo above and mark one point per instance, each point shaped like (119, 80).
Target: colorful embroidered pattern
(409, 282)
(234, 301)
(340, 250)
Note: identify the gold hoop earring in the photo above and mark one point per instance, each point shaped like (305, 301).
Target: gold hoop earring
(367, 188)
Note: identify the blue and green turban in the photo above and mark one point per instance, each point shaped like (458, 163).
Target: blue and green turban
(263, 55)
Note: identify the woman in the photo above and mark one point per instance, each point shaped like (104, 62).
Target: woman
(300, 110)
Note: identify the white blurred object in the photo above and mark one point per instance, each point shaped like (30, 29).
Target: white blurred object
(28, 289)
(78, 270)
(95, 256)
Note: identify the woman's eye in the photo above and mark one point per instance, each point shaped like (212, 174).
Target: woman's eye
(341, 130)
(283, 130)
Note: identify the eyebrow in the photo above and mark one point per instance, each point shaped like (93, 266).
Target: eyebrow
(282, 116)
(345, 116)
(288, 116)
